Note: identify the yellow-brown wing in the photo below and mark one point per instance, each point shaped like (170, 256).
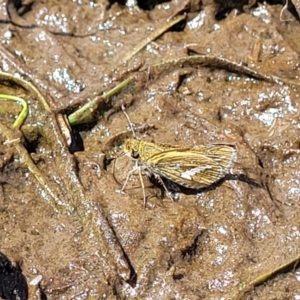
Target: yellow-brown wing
(195, 167)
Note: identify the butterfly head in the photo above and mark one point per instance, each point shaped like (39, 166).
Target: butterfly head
(131, 148)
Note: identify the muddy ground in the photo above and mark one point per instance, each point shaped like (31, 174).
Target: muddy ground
(70, 223)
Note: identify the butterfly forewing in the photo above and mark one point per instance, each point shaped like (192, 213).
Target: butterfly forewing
(225, 155)
(193, 167)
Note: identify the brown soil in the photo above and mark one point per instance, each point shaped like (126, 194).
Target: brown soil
(213, 244)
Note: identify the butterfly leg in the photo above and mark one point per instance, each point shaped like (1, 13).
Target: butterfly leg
(142, 185)
(168, 193)
(134, 169)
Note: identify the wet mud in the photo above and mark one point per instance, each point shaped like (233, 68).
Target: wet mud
(231, 81)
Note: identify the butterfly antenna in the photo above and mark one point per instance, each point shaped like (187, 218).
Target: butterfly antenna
(128, 119)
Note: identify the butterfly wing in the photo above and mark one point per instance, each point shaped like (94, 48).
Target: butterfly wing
(196, 167)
